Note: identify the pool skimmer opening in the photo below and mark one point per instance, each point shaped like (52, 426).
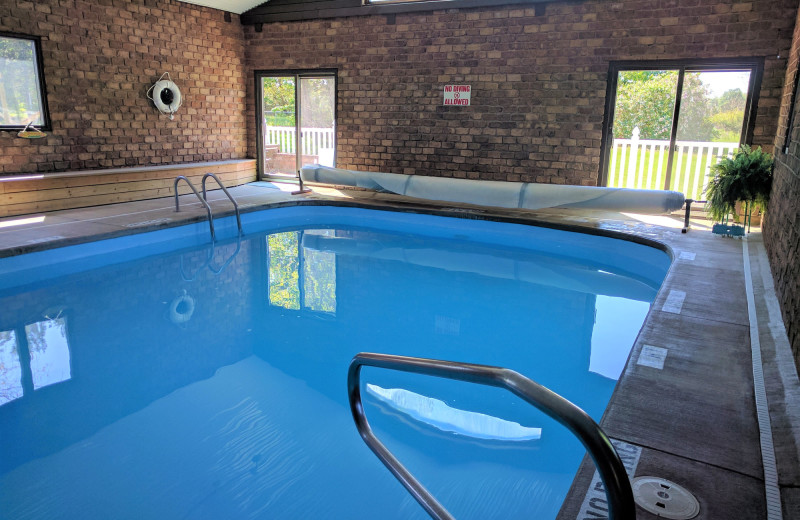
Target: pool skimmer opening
(664, 498)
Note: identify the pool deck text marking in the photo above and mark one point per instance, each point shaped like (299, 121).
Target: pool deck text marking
(674, 302)
(595, 504)
(653, 357)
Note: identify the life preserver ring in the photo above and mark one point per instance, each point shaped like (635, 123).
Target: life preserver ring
(181, 309)
(167, 96)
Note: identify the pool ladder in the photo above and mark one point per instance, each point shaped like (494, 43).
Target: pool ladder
(204, 200)
(621, 505)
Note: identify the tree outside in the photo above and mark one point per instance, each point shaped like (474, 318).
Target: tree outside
(317, 97)
(278, 103)
(646, 99)
(317, 102)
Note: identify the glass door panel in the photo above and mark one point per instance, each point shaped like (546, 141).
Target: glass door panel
(317, 120)
(643, 109)
(710, 125)
(279, 125)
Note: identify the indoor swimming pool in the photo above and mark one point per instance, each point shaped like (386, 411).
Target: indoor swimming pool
(159, 376)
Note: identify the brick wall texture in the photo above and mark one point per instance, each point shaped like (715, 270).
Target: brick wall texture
(100, 57)
(782, 226)
(538, 82)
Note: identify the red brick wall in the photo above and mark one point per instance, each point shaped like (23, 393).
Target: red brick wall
(782, 226)
(100, 57)
(538, 82)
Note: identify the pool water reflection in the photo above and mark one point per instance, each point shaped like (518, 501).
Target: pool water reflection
(211, 382)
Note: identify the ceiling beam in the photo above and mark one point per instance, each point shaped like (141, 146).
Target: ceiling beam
(295, 10)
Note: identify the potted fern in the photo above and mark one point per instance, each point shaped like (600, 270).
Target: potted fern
(745, 177)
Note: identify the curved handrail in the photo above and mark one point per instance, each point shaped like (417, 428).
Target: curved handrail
(621, 505)
(208, 208)
(235, 205)
(210, 252)
(197, 271)
(228, 261)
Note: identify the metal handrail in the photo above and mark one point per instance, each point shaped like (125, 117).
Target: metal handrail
(208, 208)
(618, 488)
(235, 205)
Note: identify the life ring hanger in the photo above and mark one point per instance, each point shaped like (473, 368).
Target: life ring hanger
(165, 95)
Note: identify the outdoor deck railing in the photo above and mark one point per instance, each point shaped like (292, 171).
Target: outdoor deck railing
(633, 163)
(313, 139)
(642, 163)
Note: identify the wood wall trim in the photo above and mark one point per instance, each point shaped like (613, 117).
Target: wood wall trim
(25, 194)
(118, 171)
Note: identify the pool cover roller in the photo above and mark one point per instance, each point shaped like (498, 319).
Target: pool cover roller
(522, 195)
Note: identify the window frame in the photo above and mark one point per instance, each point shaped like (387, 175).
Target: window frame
(297, 74)
(37, 56)
(755, 64)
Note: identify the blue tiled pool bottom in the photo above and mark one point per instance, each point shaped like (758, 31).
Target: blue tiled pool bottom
(151, 377)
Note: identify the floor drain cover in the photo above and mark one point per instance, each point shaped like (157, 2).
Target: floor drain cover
(664, 498)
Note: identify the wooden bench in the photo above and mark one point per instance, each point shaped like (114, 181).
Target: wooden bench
(38, 192)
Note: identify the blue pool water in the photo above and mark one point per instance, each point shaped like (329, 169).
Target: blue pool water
(154, 376)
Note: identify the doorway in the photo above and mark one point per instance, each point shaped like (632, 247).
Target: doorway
(668, 122)
(295, 121)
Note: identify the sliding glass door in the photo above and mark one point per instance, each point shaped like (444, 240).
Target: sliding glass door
(669, 122)
(296, 117)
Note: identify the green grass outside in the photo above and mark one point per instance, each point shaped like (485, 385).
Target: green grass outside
(697, 179)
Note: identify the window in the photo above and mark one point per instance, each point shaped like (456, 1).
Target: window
(668, 122)
(22, 98)
(291, 104)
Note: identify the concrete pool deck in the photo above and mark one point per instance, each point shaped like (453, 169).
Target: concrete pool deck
(693, 421)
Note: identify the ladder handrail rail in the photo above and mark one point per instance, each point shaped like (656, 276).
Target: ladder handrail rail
(228, 261)
(621, 505)
(208, 208)
(224, 189)
(209, 258)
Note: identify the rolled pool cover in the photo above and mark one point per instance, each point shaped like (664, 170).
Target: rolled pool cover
(503, 194)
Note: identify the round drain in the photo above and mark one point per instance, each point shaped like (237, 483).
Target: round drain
(664, 498)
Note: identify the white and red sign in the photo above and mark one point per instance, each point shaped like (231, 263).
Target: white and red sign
(457, 95)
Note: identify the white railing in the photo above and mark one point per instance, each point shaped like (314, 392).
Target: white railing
(313, 139)
(642, 163)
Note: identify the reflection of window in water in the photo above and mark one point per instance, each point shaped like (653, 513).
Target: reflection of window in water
(616, 324)
(284, 290)
(10, 370)
(47, 344)
(319, 276)
(317, 286)
(40, 353)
